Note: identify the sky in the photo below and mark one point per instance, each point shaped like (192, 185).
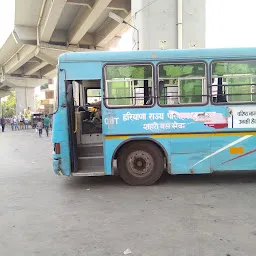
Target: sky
(229, 23)
(6, 19)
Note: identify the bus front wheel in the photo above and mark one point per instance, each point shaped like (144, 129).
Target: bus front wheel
(140, 163)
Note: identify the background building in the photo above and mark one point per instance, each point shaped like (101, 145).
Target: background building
(46, 98)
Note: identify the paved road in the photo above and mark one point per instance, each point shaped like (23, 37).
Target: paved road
(43, 214)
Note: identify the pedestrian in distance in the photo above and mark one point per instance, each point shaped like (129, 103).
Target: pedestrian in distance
(12, 123)
(47, 121)
(40, 127)
(26, 123)
(15, 123)
(3, 122)
(22, 122)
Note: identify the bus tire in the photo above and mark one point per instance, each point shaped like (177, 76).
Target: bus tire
(140, 163)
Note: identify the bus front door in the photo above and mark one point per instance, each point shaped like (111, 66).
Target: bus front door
(71, 125)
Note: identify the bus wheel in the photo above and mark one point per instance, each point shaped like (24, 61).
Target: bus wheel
(140, 163)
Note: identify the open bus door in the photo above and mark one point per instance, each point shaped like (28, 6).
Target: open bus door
(72, 126)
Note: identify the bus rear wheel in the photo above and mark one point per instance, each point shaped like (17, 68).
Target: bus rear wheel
(140, 163)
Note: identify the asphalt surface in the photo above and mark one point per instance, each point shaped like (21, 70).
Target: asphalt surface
(44, 214)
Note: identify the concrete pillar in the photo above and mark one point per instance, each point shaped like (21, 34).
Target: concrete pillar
(158, 23)
(25, 97)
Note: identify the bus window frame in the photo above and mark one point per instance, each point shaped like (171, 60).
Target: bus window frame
(92, 88)
(130, 64)
(183, 104)
(210, 76)
(56, 96)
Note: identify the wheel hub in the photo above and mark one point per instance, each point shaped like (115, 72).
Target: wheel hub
(140, 163)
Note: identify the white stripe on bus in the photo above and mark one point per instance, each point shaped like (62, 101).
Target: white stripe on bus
(224, 148)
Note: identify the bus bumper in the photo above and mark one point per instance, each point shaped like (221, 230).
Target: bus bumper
(57, 166)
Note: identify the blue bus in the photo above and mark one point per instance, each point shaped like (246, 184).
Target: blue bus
(141, 113)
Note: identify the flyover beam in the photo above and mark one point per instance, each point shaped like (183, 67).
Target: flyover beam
(14, 81)
(45, 58)
(32, 68)
(52, 13)
(48, 71)
(85, 20)
(108, 32)
(4, 93)
(25, 53)
(25, 34)
(122, 5)
(78, 2)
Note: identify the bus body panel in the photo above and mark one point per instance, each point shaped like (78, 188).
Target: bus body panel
(207, 155)
(82, 70)
(197, 139)
(155, 55)
(62, 161)
(233, 153)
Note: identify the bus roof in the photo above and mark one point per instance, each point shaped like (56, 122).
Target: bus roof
(110, 56)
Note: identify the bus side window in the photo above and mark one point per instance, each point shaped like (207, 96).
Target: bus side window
(218, 90)
(182, 83)
(236, 81)
(169, 89)
(129, 85)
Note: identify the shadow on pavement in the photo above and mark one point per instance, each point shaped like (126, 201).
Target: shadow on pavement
(223, 178)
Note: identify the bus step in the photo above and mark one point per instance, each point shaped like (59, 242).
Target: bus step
(90, 150)
(84, 173)
(90, 162)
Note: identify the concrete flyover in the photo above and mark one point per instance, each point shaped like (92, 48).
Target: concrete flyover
(44, 29)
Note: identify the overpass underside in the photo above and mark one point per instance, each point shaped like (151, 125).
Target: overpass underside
(44, 29)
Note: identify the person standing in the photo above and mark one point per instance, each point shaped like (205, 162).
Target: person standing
(12, 123)
(39, 126)
(15, 123)
(22, 122)
(47, 121)
(3, 122)
(26, 123)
